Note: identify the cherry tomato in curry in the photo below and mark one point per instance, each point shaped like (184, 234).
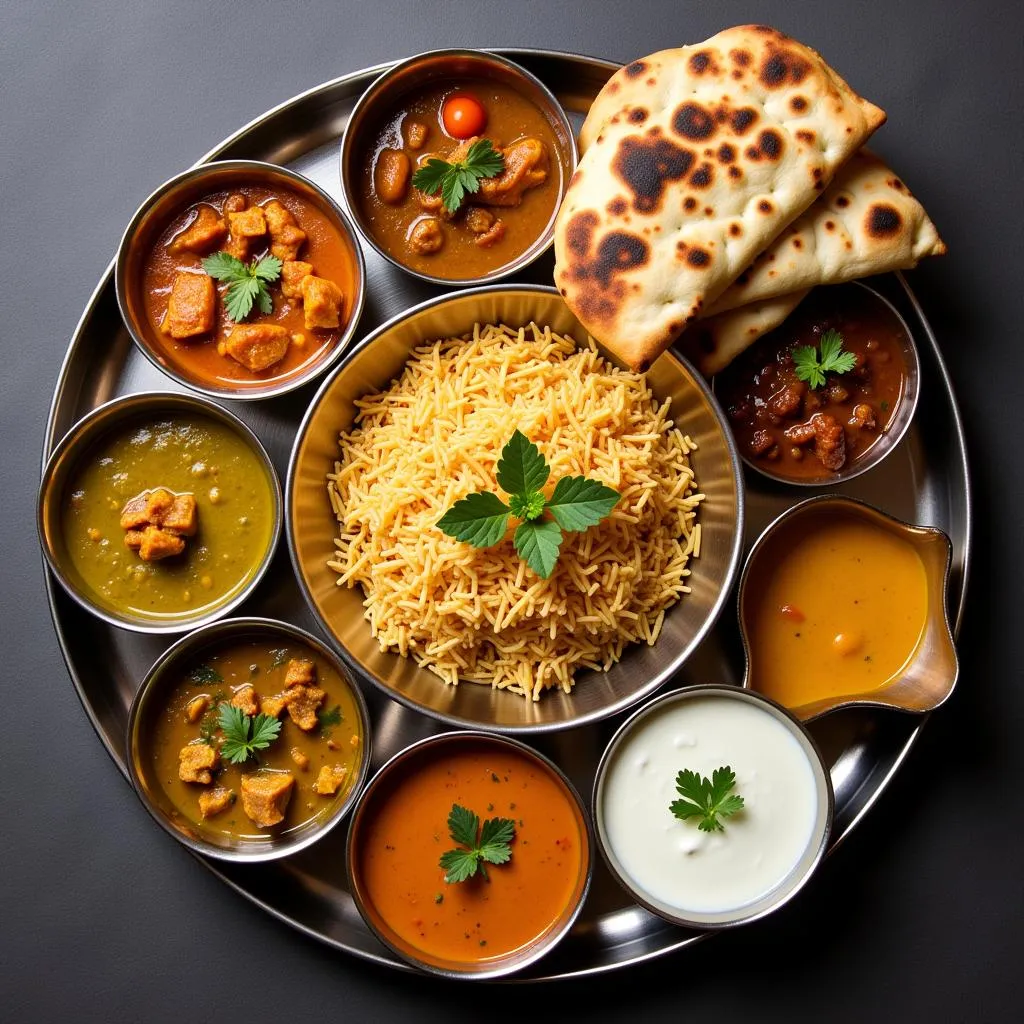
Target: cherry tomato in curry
(463, 116)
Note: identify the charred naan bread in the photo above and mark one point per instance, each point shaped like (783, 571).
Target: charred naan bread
(867, 222)
(699, 157)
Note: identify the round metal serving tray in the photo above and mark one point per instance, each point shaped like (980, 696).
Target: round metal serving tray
(925, 481)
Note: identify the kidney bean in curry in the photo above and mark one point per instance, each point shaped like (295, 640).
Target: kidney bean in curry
(806, 433)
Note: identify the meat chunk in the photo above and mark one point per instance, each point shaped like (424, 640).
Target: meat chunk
(205, 231)
(800, 433)
(256, 346)
(196, 708)
(391, 175)
(214, 801)
(787, 400)
(293, 273)
(243, 228)
(760, 442)
(133, 539)
(863, 417)
(426, 236)
(479, 220)
(135, 513)
(158, 503)
(492, 236)
(330, 779)
(286, 237)
(302, 706)
(299, 758)
(196, 763)
(526, 167)
(156, 544)
(829, 441)
(300, 672)
(191, 306)
(244, 698)
(235, 203)
(182, 517)
(265, 796)
(273, 706)
(322, 301)
(415, 134)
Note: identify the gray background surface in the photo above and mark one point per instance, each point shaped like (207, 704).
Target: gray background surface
(917, 916)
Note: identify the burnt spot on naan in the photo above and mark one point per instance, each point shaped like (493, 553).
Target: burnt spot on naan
(798, 104)
(783, 66)
(883, 221)
(613, 87)
(830, 225)
(735, 172)
(636, 69)
(693, 122)
(842, 202)
(770, 144)
(702, 177)
(698, 258)
(797, 244)
(647, 166)
(742, 57)
(765, 206)
(579, 233)
(726, 153)
(741, 119)
(735, 229)
(617, 206)
(702, 62)
(689, 204)
(806, 136)
(596, 273)
(638, 115)
(896, 184)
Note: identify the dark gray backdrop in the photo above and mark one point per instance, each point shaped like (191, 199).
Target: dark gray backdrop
(104, 918)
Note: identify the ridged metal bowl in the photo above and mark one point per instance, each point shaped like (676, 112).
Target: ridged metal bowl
(312, 527)
(166, 203)
(148, 705)
(425, 69)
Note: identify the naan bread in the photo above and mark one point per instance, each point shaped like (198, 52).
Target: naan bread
(867, 222)
(704, 155)
(712, 344)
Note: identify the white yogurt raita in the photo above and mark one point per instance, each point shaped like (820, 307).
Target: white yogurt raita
(672, 861)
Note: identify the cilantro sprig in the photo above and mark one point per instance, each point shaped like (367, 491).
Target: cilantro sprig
(707, 799)
(247, 282)
(243, 735)
(812, 370)
(576, 503)
(456, 179)
(475, 853)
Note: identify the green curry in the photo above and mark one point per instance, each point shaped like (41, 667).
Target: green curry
(184, 455)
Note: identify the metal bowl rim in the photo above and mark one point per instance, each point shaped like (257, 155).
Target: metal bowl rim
(196, 173)
(543, 242)
(224, 630)
(548, 942)
(823, 781)
(138, 403)
(651, 686)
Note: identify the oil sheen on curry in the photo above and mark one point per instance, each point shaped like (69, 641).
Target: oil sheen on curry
(309, 287)
(167, 517)
(810, 430)
(403, 832)
(494, 225)
(308, 765)
(835, 605)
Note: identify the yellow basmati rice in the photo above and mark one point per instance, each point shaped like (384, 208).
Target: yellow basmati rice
(436, 434)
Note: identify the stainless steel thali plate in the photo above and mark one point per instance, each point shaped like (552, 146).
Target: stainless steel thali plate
(925, 481)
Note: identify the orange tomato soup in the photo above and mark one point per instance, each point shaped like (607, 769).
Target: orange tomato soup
(403, 831)
(835, 605)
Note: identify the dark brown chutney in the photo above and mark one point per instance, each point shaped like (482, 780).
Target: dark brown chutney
(804, 433)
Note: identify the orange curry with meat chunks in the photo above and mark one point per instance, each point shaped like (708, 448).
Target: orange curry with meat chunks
(288, 694)
(492, 226)
(806, 432)
(311, 298)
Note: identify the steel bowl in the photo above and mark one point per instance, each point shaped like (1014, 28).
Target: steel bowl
(929, 677)
(433, 746)
(897, 428)
(373, 363)
(65, 458)
(152, 218)
(147, 705)
(801, 872)
(410, 74)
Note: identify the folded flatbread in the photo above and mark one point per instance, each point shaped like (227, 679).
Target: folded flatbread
(867, 222)
(695, 159)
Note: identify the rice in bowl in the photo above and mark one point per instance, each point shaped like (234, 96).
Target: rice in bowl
(435, 435)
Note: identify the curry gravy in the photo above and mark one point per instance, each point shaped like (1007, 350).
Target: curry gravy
(834, 606)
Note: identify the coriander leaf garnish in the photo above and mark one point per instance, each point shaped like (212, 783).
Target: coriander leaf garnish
(243, 735)
(247, 282)
(492, 847)
(201, 675)
(329, 718)
(707, 799)
(481, 518)
(455, 180)
(812, 370)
